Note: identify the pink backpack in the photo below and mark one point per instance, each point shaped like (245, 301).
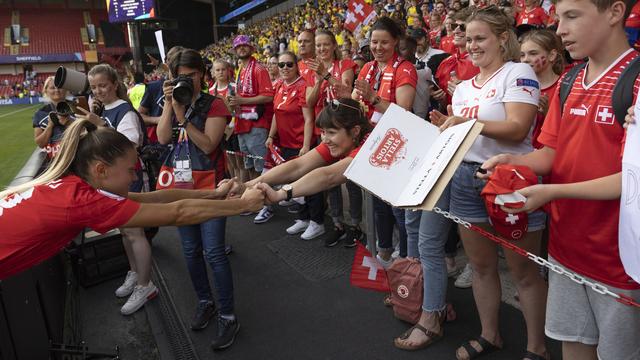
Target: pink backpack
(405, 280)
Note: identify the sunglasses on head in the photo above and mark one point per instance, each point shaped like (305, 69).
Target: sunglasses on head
(462, 27)
(288, 64)
(335, 104)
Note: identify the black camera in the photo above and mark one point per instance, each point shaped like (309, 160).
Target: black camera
(420, 65)
(182, 89)
(64, 108)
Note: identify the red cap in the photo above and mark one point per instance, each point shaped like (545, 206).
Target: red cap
(501, 190)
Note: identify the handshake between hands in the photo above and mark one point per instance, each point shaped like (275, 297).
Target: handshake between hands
(256, 194)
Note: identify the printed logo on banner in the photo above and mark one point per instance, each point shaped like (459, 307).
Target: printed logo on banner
(391, 149)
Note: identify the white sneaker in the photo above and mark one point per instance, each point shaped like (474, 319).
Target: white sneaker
(295, 200)
(465, 279)
(264, 215)
(141, 294)
(385, 263)
(298, 227)
(313, 231)
(129, 284)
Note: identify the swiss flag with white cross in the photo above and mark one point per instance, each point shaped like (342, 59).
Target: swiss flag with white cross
(359, 13)
(366, 271)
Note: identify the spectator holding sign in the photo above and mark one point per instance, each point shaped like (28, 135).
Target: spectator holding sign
(504, 98)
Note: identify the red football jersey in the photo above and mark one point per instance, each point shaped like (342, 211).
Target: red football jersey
(587, 140)
(288, 103)
(537, 16)
(446, 44)
(537, 126)
(327, 93)
(397, 73)
(36, 224)
(461, 64)
(323, 150)
(261, 82)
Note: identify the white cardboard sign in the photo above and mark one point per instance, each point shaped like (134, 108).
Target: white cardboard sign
(407, 162)
(629, 226)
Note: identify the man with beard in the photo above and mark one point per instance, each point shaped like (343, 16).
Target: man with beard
(253, 105)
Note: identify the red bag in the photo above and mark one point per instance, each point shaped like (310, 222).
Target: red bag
(405, 279)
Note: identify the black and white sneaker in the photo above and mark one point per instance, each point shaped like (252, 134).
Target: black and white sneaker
(204, 312)
(353, 234)
(227, 331)
(337, 235)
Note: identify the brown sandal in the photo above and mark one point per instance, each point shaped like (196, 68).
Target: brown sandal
(433, 337)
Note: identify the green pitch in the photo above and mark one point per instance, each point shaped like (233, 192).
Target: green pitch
(16, 139)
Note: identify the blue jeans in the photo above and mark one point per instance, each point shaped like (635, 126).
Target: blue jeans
(385, 216)
(206, 241)
(427, 232)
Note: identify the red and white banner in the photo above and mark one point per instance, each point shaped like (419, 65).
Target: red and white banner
(359, 13)
(366, 271)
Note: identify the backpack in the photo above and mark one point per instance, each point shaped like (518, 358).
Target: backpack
(622, 97)
(406, 282)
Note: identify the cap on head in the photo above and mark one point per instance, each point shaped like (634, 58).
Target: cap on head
(242, 40)
(417, 33)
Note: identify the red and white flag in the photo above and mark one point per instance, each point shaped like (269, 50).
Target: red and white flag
(359, 13)
(366, 271)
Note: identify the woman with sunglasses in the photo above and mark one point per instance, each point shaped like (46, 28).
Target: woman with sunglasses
(48, 130)
(458, 66)
(331, 74)
(504, 98)
(344, 127)
(385, 80)
(292, 130)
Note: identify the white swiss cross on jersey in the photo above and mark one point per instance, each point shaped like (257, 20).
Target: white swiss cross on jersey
(514, 82)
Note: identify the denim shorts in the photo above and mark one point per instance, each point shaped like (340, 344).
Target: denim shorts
(467, 204)
(252, 143)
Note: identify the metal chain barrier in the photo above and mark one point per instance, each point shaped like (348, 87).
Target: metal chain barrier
(597, 287)
(245, 155)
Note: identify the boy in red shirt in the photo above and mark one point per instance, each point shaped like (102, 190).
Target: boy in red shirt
(583, 212)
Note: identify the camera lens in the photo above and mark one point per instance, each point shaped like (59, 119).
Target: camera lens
(183, 91)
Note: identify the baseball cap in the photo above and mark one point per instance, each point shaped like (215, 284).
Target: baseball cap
(241, 40)
(501, 190)
(417, 33)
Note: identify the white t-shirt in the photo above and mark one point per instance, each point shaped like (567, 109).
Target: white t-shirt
(513, 82)
(421, 102)
(129, 125)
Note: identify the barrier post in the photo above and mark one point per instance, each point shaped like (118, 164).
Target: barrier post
(371, 228)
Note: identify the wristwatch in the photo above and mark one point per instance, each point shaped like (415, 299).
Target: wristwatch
(376, 101)
(327, 77)
(289, 189)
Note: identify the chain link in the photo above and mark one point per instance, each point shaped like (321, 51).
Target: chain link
(244, 155)
(597, 287)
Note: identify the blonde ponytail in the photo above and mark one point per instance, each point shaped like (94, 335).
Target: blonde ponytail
(82, 144)
(61, 162)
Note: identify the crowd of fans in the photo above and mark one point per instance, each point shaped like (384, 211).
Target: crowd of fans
(300, 89)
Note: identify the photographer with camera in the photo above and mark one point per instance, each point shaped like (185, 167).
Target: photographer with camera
(197, 162)
(48, 124)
